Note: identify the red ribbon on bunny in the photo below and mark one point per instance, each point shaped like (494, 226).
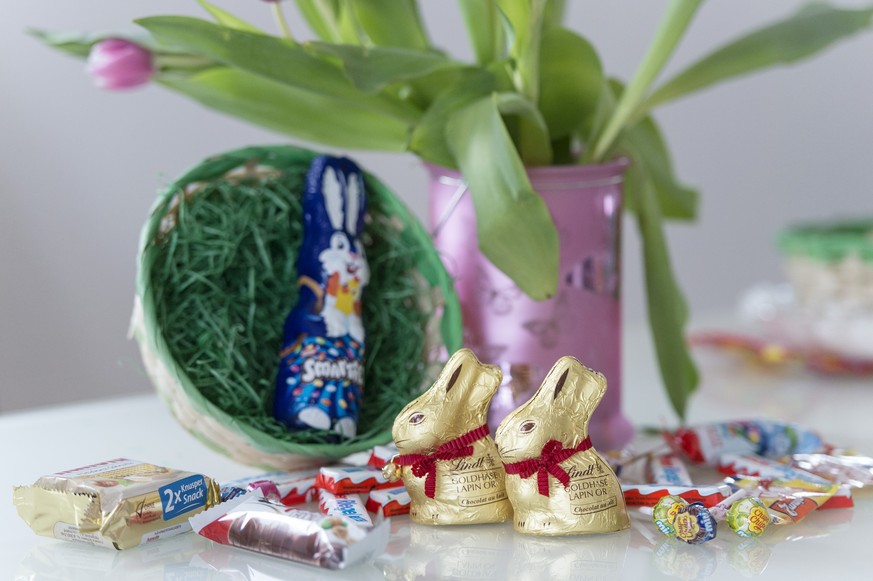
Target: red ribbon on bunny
(424, 465)
(549, 461)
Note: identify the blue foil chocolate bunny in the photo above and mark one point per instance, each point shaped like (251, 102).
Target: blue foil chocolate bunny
(321, 372)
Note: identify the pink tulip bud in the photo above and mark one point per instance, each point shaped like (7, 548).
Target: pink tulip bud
(116, 63)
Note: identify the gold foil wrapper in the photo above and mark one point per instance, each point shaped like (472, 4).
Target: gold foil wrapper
(446, 459)
(554, 490)
(116, 504)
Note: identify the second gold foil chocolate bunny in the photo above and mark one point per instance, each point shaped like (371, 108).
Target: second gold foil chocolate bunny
(558, 483)
(447, 459)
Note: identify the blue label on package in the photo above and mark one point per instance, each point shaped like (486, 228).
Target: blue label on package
(183, 496)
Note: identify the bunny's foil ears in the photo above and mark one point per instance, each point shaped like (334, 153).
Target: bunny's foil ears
(337, 185)
(464, 367)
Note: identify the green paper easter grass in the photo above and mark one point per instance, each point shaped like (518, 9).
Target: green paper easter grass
(217, 278)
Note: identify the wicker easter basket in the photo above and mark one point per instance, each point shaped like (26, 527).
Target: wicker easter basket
(217, 277)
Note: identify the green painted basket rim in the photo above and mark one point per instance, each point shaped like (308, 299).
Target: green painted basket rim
(280, 157)
(829, 241)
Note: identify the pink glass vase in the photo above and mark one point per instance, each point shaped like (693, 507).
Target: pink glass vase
(526, 337)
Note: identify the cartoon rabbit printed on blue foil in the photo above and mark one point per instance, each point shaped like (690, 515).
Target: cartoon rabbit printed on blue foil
(321, 372)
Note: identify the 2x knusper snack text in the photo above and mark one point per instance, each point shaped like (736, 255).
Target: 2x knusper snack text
(118, 504)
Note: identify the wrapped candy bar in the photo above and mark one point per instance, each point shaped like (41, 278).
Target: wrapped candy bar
(252, 522)
(321, 373)
(117, 504)
(557, 482)
(348, 507)
(381, 455)
(854, 471)
(667, 469)
(448, 461)
(652, 468)
(291, 487)
(768, 438)
(749, 465)
(650, 494)
(352, 480)
(389, 502)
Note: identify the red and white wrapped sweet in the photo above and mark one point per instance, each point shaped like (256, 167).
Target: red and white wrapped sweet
(352, 480)
(348, 507)
(650, 494)
(391, 502)
(380, 455)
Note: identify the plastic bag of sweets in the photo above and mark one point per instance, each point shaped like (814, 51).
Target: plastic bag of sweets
(768, 438)
(854, 471)
(751, 465)
(787, 501)
(117, 504)
(257, 524)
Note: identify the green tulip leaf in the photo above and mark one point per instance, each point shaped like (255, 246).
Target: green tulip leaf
(668, 311)
(515, 230)
(429, 135)
(372, 68)
(571, 82)
(484, 26)
(227, 19)
(647, 148)
(323, 17)
(273, 58)
(645, 145)
(810, 30)
(391, 22)
(535, 145)
(292, 111)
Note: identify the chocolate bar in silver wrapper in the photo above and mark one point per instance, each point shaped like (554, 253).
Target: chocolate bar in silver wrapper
(258, 524)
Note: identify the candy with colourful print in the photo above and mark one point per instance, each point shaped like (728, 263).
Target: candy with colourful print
(321, 371)
(694, 524)
(665, 511)
(768, 438)
(748, 517)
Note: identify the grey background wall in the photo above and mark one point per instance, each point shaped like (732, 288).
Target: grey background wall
(79, 169)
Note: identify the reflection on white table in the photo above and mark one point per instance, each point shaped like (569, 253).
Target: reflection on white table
(827, 545)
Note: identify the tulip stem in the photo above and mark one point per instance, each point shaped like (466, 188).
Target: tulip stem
(280, 19)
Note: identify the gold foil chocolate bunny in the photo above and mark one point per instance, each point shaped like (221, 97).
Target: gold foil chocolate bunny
(558, 483)
(448, 460)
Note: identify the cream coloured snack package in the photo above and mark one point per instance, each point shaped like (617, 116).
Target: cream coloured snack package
(116, 504)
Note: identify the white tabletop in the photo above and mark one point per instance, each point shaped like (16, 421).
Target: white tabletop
(827, 545)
